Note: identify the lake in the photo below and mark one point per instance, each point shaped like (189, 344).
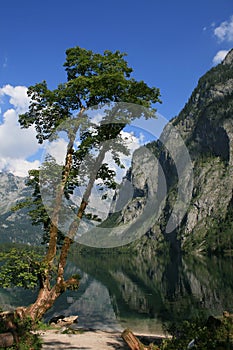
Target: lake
(139, 291)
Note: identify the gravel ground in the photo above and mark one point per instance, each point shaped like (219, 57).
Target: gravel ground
(88, 340)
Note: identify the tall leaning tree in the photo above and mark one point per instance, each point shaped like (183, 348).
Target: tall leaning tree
(93, 79)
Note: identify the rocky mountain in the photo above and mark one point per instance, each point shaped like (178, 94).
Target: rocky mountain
(198, 174)
(15, 226)
(178, 189)
(206, 125)
(11, 189)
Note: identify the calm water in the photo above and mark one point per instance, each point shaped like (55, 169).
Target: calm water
(141, 292)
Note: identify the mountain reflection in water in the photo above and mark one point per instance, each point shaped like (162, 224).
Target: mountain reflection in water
(140, 291)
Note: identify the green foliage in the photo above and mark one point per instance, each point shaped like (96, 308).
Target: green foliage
(21, 268)
(206, 336)
(72, 331)
(36, 211)
(34, 205)
(93, 79)
(42, 326)
(219, 238)
(27, 339)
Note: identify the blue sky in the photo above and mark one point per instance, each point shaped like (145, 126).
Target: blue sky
(170, 45)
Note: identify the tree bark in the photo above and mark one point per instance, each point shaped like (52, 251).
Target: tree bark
(134, 343)
(47, 295)
(75, 224)
(10, 336)
(6, 340)
(43, 303)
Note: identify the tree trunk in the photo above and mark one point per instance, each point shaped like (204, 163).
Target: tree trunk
(43, 303)
(47, 295)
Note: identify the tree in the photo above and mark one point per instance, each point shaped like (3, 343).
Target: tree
(92, 80)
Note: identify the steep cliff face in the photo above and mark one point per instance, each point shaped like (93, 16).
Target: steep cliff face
(206, 127)
(137, 186)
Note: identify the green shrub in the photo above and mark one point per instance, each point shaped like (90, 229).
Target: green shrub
(211, 334)
(27, 339)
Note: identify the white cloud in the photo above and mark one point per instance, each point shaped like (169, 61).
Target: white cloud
(18, 97)
(18, 166)
(16, 144)
(219, 57)
(225, 31)
(132, 143)
(57, 149)
(96, 119)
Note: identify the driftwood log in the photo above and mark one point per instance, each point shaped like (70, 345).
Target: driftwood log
(7, 320)
(6, 340)
(134, 343)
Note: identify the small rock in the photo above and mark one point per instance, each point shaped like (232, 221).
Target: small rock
(70, 319)
(56, 319)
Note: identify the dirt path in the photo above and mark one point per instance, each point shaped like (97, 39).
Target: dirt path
(88, 340)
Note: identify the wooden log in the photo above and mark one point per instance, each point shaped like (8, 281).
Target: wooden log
(134, 343)
(6, 340)
(7, 320)
(10, 336)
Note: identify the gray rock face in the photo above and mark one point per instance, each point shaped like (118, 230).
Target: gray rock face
(140, 190)
(229, 58)
(206, 127)
(11, 190)
(210, 140)
(15, 226)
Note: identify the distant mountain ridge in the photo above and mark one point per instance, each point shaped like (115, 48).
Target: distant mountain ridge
(15, 226)
(11, 189)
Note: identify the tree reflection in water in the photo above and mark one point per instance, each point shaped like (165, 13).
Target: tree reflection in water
(141, 291)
